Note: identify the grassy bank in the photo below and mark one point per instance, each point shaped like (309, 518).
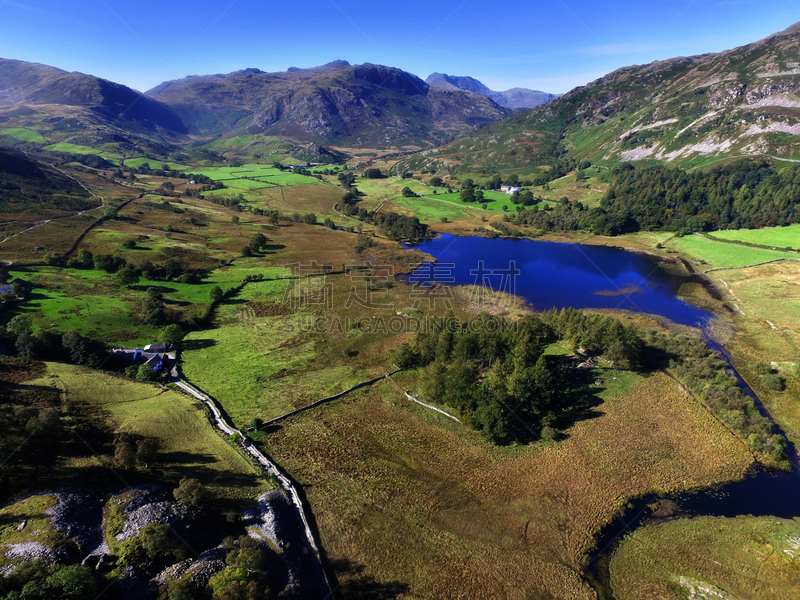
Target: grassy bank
(746, 558)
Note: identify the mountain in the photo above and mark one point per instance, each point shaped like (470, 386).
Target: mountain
(511, 99)
(335, 104)
(687, 110)
(24, 83)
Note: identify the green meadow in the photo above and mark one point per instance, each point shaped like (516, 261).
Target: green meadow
(711, 254)
(779, 237)
(23, 134)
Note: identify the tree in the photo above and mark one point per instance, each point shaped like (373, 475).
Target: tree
(127, 276)
(467, 184)
(85, 259)
(216, 294)
(467, 195)
(111, 212)
(190, 492)
(146, 373)
(172, 334)
(373, 173)
(124, 452)
(173, 268)
(408, 193)
(20, 325)
(76, 347)
(146, 451)
(246, 251)
(436, 182)
(257, 242)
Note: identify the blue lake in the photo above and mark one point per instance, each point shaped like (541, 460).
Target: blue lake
(549, 274)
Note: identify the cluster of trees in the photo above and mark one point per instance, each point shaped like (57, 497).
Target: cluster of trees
(574, 216)
(399, 227)
(36, 580)
(127, 274)
(707, 376)
(256, 243)
(29, 440)
(746, 194)
(497, 375)
(51, 344)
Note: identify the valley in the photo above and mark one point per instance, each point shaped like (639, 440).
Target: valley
(599, 299)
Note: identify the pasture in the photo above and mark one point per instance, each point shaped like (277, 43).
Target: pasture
(707, 253)
(777, 237)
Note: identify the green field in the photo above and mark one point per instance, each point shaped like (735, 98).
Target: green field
(189, 445)
(778, 237)
(706, 557)
(23, 134)
(711, 254)
(432, 211)
(257, 368)
(76, 149)
(247, 184)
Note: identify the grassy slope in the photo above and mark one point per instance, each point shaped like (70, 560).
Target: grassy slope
(422, 502)
(745, 558)
(189, 445)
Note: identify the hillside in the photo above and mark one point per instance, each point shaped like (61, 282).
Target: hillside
(686, 110)
(336, 104)
(30, 190)
(515, 98)
(35, 84)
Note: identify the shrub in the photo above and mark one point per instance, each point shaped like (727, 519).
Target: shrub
(190, 492)
(774, 382)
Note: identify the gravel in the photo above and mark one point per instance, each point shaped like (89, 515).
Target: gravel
(28, 551)
(79, 516)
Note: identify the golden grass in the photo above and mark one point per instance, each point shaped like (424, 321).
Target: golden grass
(427, 503)
(746, 558)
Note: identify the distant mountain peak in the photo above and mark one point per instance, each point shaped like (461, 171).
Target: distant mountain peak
(512, 99)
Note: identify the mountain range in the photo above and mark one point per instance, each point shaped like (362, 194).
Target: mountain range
(338, 104)
(367, 106)
(515, 98)
(687, 110)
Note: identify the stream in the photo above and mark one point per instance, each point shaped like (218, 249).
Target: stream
(558, 275)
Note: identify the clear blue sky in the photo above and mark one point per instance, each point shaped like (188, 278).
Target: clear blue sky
(552, 45)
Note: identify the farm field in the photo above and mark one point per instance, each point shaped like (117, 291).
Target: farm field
(427, 508)
(746, 558)
(707, 253)
(779, 237)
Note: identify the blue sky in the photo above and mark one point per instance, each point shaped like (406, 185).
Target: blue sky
(551, 45)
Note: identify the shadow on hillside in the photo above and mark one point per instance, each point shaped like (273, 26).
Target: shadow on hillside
(360, 586)
(197, 344)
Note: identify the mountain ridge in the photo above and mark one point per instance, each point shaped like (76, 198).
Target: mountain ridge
(514, 98)
(684, 110)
